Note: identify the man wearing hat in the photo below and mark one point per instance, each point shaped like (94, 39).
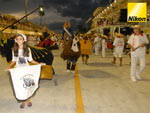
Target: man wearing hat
(137, 43)
(119, 46)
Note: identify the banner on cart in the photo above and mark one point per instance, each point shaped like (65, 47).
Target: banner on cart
(25, 80)
(137, 12)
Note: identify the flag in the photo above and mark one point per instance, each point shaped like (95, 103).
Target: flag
(25, 80)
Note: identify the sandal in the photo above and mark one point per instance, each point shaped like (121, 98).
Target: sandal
(22, 106)
(29, 104)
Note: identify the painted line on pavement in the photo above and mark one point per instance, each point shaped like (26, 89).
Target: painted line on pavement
(79, 100)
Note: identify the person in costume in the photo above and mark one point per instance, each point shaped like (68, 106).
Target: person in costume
(49, 43)
(39, 54)
(137, 42)
(46, 40)
(86, 49)
(21, 55)
(71, 53)
(118, 48)
(71, 50)
(45, 33)
(67, 32)
(109, 42)
(53, 42)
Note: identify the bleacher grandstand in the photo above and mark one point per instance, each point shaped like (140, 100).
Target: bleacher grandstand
(6, 19)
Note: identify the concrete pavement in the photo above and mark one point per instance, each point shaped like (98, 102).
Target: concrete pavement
(105, 88)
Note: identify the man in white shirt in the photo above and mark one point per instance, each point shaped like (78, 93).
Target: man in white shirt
(97, 43)
(119, 46)
(137, 43)
(104, 46)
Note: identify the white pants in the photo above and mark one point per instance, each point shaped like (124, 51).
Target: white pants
(118, 52)
(103, 51)
(97, 49)
(117, 55)
(134, 60)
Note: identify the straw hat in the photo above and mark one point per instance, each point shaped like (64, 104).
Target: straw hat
(119, 35)
(136, 26)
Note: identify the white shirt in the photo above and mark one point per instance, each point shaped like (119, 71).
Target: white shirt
(119, 45)
(21, 60)
(137, 40)
(97, 40)
(104, 43)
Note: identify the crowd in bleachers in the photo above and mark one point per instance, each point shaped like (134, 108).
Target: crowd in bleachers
(6, 20)
(33, 39)
(104, 22)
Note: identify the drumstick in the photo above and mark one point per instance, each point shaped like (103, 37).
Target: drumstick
(136, 48)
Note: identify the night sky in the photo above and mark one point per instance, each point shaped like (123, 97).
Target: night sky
(56, 11)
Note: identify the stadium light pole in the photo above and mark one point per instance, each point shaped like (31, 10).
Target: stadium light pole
(41, 13)
(23, 18)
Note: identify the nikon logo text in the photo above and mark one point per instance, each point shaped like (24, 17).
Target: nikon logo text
(137, 12)
(135, 18)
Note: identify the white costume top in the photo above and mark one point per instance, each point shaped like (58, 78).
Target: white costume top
(97, 40)
(137, 40)
(21, 60)
(119, 45)
(74, 46)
